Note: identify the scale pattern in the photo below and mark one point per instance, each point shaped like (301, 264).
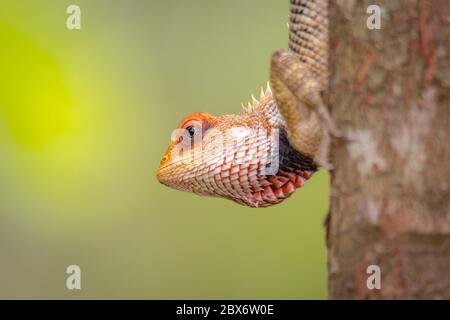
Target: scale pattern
(308, 35)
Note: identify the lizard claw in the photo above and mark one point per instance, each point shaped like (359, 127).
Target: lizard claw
(327, 122)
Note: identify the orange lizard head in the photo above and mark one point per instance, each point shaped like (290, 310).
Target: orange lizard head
(245, 158)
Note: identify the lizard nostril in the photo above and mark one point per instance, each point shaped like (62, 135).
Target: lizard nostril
(164, 159)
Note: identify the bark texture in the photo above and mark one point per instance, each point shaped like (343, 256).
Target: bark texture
(390, 201)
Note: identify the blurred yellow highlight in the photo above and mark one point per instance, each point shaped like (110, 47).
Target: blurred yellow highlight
(33, 97)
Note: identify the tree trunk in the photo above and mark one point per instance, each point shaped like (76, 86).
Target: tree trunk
(390, 201)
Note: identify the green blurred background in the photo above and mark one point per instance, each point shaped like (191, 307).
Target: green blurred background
(86, 115)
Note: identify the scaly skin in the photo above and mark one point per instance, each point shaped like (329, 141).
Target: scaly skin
(260, 157)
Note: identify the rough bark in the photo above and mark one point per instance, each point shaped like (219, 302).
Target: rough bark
(390, 201)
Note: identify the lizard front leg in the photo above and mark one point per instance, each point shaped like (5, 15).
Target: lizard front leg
(298, 96)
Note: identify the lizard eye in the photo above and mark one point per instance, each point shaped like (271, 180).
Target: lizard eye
(191, 130)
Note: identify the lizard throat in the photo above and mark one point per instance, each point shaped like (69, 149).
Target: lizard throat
(294, 170)
(277, 188)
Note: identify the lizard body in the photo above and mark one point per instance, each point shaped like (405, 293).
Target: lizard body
(261, 156)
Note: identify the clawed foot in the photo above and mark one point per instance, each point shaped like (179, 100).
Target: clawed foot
(327, 122)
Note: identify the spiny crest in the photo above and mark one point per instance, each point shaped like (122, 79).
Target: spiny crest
(254, 105)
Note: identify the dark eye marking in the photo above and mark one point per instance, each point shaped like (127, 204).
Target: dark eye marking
(190, 130)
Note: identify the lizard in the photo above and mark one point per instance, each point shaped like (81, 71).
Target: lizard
(258, 158)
